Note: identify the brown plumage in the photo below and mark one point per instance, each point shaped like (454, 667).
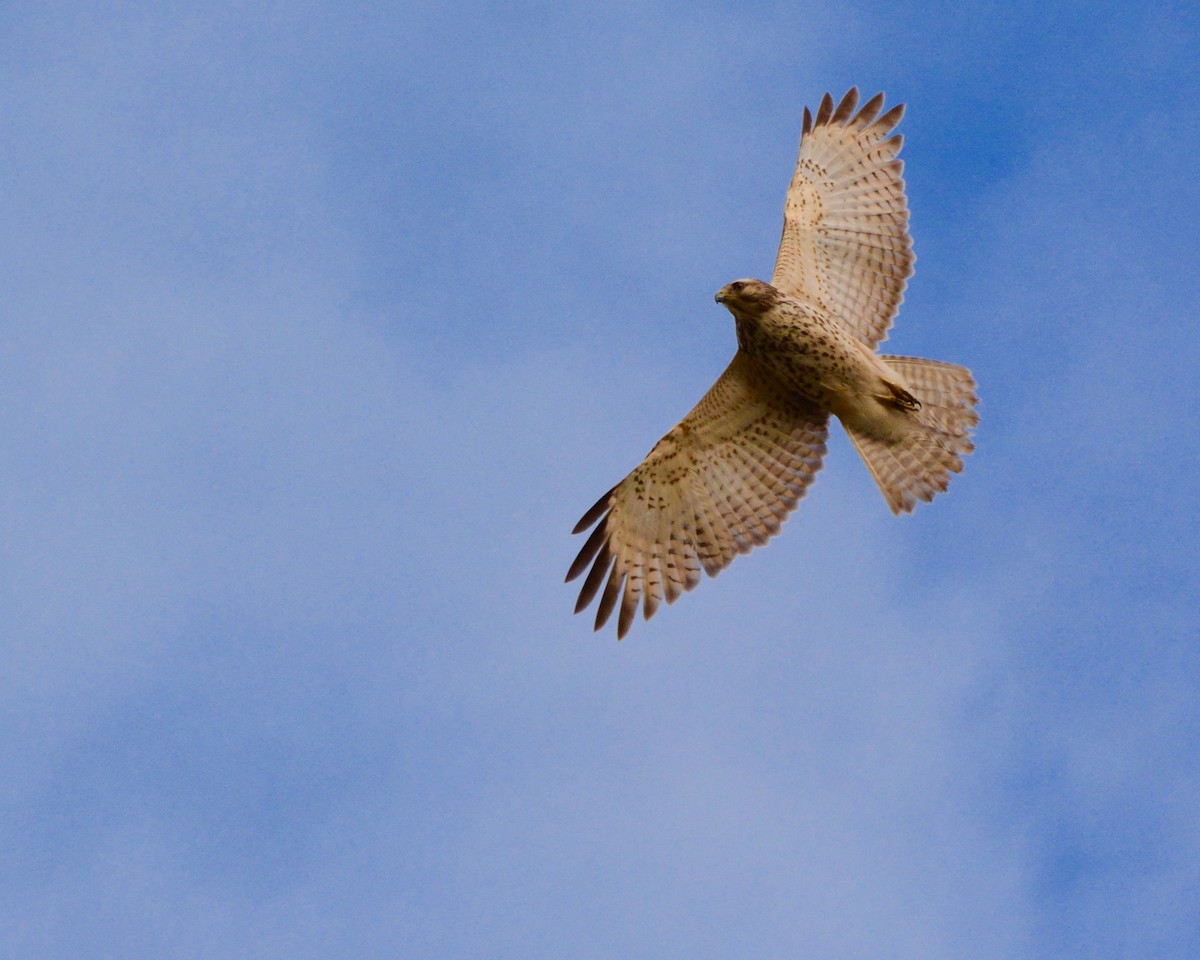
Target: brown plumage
(722, 480)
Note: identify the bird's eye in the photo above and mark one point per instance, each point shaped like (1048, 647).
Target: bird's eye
(737, 287)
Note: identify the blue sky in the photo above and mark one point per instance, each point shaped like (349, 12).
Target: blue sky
(324, 323)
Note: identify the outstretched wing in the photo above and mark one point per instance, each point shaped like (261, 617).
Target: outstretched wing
(719, 483)
(845, 224)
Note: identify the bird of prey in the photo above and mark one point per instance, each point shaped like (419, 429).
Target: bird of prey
(724, 478)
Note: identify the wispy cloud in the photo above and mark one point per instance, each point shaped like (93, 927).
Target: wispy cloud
(325, 325)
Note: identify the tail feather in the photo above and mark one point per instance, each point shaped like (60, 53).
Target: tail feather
(914, 461)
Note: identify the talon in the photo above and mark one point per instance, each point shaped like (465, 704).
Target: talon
(900, 397)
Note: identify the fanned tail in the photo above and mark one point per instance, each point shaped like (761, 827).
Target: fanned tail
(915, 464)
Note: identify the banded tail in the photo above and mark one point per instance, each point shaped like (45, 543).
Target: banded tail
(929, 442)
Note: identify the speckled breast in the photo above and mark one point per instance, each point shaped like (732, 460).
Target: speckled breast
(811, 355)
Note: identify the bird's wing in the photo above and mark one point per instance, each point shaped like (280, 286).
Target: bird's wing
(845, 239)
(719, 483)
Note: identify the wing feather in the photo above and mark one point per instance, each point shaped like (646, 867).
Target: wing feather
(846, 107)
(845, 243)
(718, 484)
(595, 577)
(594, 544)
(870, 109)
(608, 599)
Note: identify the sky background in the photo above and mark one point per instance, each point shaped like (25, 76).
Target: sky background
(322, 324)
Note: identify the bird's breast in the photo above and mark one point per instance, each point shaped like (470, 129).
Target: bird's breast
(810, 357)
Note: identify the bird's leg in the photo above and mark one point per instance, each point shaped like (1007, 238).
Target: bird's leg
(898, 397)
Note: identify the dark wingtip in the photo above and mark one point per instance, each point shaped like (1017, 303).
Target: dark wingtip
(629, 603)
(594, 513)
(608, 599)
(887, 123)
(824, 111)
(845, 109)
(590, 549)
(594, 578)
(870, 110)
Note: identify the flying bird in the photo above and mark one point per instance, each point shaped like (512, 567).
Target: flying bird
(726, 476)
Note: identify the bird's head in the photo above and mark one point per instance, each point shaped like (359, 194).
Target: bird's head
(747, 298)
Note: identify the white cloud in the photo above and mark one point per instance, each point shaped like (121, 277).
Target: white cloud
(290, 663)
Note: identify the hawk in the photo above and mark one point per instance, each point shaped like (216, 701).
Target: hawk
(726, 476)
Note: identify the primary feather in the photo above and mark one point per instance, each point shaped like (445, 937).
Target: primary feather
(722, 481)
